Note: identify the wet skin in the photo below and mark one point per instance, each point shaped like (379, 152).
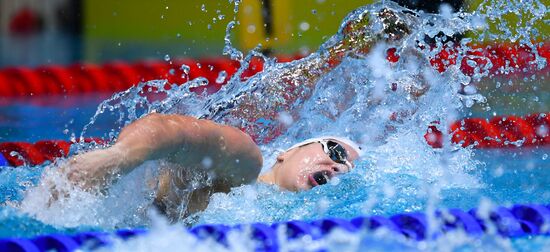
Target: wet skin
(297, 169)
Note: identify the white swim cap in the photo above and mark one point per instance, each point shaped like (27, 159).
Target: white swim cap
(347, 141)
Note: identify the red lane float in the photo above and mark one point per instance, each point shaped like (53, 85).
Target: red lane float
(118, 76)
(497, 132)
(22, 153)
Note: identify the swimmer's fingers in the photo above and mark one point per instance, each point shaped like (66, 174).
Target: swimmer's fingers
(360, 34)
(87, 179)
(56, 194)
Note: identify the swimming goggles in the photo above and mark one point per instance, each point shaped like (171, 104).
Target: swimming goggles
(335, 151)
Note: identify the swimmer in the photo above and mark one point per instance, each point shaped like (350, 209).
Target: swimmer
(185, 143)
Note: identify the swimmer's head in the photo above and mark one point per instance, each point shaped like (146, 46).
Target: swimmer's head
(312, 163)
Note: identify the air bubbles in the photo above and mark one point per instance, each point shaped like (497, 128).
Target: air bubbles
(545, 156)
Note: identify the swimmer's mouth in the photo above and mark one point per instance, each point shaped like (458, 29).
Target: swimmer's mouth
(319, 178)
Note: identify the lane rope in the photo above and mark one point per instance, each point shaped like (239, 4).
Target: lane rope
(117, 76)
(512, 222)
(497, 132)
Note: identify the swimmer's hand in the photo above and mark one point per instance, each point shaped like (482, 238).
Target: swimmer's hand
(361, 33)
(97, 168)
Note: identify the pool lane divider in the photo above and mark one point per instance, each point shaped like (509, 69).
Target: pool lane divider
(509, 222)
(118, 76)
(23, 153)
(498, 132)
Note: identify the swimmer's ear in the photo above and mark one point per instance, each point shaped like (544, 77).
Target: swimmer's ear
(284, 155)
(281, 157)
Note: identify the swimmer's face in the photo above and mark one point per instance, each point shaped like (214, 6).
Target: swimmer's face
(305, 167)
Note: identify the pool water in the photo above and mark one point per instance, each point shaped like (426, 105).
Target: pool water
(399, 172)
(522, 179)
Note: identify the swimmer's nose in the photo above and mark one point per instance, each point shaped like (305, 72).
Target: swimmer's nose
(322, 177)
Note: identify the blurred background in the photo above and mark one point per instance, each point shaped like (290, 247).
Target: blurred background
(61, 33)
(37, 32)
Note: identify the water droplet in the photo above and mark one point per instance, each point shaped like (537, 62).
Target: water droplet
(285, 118)
(304, 26)
(470, 89)
(221, 77)
(207, 162)
(335, 181)
(203, 8)
(545, 156)
(236, 8)
(185, 69)
(167, 57)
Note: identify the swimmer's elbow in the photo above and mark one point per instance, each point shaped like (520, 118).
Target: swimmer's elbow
(245, 159)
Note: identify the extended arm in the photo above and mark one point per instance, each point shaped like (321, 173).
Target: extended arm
(189, 141)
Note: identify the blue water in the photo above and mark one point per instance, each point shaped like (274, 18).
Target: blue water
(523, 178)
(43, 118)
(398, 173)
